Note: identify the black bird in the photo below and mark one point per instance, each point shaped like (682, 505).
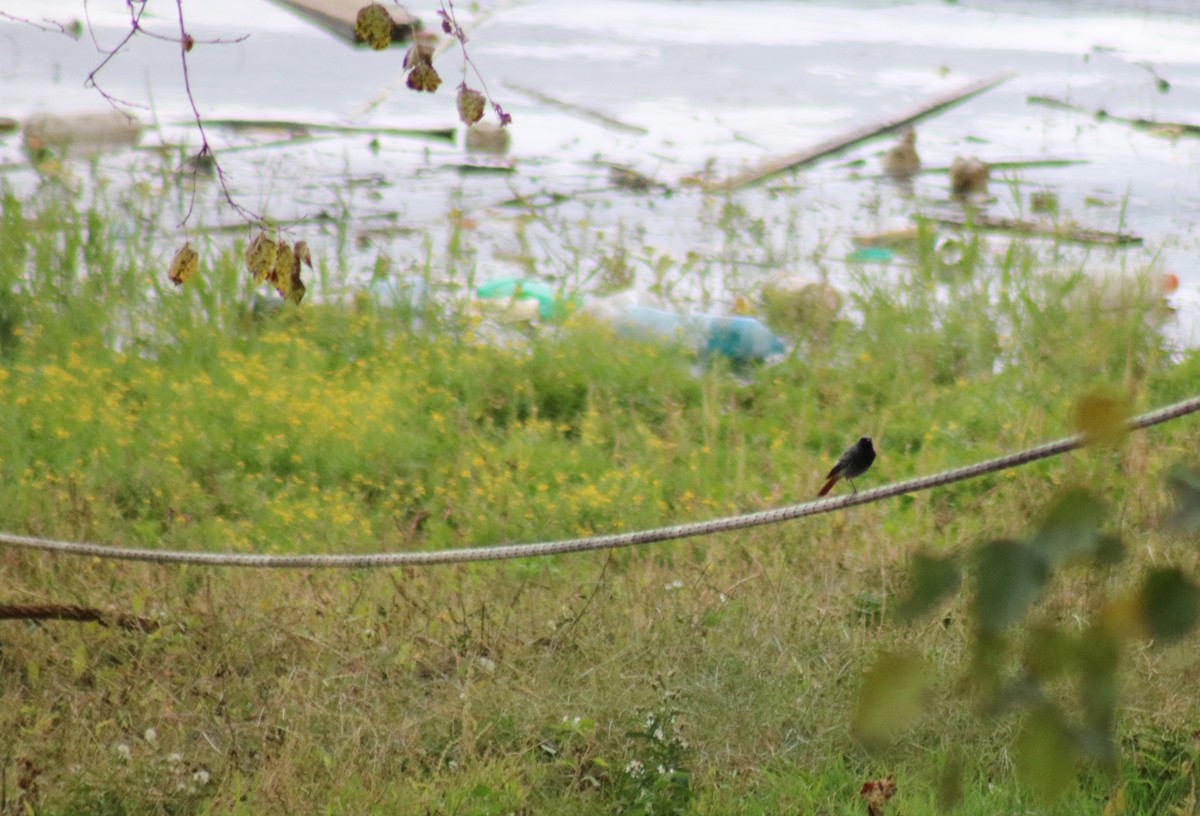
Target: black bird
(854, 462)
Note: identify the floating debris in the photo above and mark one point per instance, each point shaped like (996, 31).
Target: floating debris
(81, 134)
(1061, 231)
(901, 161)
(1153, 126)
(299, 129)
(800, 305)
(486, 137)
(860, 134)
(627, 178)
(969, 176)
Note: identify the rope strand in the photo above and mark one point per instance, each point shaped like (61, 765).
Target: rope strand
(598, 542)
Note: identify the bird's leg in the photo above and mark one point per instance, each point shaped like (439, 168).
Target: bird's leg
(852, 487)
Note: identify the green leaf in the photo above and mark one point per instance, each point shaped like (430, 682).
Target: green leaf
(1099, 653)
(1045, 754)
(1185, 484)
(1170, 604)
(891, 698)
(1049, 652)
(950, 783)
(1069, 527)
(1110, 550)
(933, 579)
(1009, 577)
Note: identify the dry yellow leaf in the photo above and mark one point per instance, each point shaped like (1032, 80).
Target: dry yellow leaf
(281, 272)
(423, 78)
(373, 26)
(295, 288)
(260, 257)
(470, 105)
(183, 265)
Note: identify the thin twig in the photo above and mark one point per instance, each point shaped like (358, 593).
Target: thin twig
(71, 29)
(185, 44)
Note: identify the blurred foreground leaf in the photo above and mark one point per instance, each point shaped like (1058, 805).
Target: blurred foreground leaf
(891, 697)
(1185, 484)
(1009, 576)
(1045, 756)
(1170, 604)
(933, 579)
(1102, 418)
(1069, 527)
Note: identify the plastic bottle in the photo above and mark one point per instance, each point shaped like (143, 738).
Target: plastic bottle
(514, 290)
(609, 308)
(741, 339)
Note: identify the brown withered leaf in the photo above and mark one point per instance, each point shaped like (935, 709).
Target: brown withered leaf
(260, 257)
(281, 272)
(295, 288)
(423, 77)
(183, 265)
(373, 26)
(877, 792)
(417, 55)
(470, 105)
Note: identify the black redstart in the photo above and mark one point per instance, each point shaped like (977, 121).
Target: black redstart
(854, 462)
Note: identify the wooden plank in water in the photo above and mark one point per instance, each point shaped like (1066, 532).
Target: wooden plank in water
(1059, 231)
(338, 16)
(844, 141)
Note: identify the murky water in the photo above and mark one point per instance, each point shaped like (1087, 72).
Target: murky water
(721, 85)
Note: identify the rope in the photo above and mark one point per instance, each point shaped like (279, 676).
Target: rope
(599, 542)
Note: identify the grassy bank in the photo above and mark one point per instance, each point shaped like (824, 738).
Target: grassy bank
(138, 414)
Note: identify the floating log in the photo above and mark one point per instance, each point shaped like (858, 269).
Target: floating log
(81, 134)
(1154, 125)
(338, 16)
(1061, 231)
(863, 133)
(578, 110)
(293, 126)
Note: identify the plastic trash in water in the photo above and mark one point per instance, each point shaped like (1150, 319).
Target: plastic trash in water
(799, 305)
(871, 254)
(609, 308)
(741, 339)
(550, 305)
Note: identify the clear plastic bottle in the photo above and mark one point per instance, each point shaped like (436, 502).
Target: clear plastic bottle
(741, 339)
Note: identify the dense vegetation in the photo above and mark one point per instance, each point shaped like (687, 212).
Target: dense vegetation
(709, 676)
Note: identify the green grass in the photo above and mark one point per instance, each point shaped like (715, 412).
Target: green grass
(138, 414)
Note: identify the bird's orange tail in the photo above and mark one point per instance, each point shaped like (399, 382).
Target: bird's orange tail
(828, 485)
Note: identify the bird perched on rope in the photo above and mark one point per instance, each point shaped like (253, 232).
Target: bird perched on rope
(854, 462)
